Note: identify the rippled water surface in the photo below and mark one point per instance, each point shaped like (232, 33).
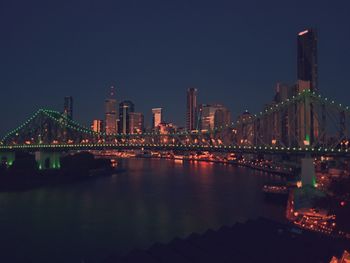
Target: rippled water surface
(153, 201)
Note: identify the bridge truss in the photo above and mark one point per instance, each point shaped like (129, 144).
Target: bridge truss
(306, 122)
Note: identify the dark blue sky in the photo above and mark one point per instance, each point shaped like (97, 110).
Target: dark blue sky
(152, 51)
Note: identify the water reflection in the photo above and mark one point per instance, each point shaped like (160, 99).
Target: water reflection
(155, 200)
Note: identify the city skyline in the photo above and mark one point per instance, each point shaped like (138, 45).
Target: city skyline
(211, 116)
(125, 124)
(222, 72)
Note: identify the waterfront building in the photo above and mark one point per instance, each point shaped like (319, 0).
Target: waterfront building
(111, 113)
(191, 110)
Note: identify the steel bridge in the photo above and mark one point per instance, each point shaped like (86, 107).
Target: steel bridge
(304, 123)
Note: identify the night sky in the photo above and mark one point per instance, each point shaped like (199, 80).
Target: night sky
(152, 51)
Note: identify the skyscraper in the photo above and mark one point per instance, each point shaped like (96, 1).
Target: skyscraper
(307, 68)
(68, 107)
(157, 117)
(307, 79)
(111, 113)
(191, 113)
(125, 107)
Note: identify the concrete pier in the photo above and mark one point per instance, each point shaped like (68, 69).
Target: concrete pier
(48, 160)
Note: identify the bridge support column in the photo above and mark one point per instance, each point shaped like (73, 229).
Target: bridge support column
(308, 172)
(7, 158)
(48, 160)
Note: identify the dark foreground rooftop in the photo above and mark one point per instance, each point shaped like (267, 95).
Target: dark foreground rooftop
(260, 240)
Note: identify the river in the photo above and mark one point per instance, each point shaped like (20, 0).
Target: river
(152, 201)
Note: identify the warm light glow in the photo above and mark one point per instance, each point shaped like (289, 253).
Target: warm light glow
(299, 184)
(303, 33)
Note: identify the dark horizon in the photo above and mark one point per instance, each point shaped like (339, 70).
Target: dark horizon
(153, 52)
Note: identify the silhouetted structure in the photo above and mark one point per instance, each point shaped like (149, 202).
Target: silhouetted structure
(191, 113)
(125, 107)
(68, 107)
(260, 240)
(307, 58)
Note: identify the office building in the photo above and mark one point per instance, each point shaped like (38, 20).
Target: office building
(156, 117)
(125, 107)
(97, 125)
(191, 110)
(111, 113)
(307, 67)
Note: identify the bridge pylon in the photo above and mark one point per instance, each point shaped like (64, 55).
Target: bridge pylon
(48, 160)
(7, 158)
(308, 171)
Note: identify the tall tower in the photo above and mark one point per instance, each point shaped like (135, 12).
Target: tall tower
(191, 113)
(307, 73)
(111, 113)
(125, 108)
(68, 107)
(307, 68)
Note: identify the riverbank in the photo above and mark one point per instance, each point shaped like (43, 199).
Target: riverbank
(272, 168)
(271, 241)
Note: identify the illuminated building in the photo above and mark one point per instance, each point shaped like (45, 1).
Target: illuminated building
(68, 107)
(213, 116)
(191, 114)
(207, 113)
(97, 125)
(156, 117)
(166, 128)
(307, 68)
(136, 122)
(125, 107)
(111, 113)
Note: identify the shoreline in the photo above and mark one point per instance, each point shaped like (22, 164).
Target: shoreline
(236, 163)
